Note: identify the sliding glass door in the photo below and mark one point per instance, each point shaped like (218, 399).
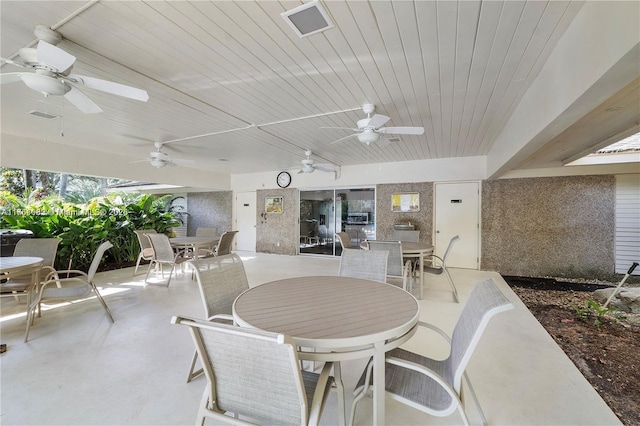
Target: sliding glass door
(325, 212)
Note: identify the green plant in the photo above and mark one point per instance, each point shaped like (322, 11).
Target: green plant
(83, 227)
(592, 309)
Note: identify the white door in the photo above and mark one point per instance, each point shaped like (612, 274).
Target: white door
(457, 212)
(246, 221)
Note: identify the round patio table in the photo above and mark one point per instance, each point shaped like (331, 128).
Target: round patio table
(339, 318)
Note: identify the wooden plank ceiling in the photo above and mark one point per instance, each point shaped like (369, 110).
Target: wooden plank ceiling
(458, 69)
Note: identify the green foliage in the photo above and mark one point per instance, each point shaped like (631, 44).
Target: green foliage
(12, 180)
(592, 309)
(83, 227)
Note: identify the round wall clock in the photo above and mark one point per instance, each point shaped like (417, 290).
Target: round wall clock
(284, 179)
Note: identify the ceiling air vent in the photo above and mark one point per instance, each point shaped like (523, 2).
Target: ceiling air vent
(308, 19)
(43, 114)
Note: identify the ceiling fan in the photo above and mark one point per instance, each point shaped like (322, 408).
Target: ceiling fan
(309, 165)
(370, 128)
(159, 159)
(52, 74)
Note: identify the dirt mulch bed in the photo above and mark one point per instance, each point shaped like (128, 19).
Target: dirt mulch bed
(608, 354)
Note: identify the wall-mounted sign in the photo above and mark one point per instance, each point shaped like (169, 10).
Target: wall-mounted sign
(407, 202)
(273, 205)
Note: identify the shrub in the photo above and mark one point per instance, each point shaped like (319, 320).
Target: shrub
(83, 227)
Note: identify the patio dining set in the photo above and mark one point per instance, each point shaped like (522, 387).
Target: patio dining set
(29, 273)
(272, 353)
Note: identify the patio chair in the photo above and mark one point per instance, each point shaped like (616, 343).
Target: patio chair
(435, 386)
(46, 248)
(345, 240)
(163, 254)
(436, 269)
(206, 232)
(226, 243)
(366, 264)
(146, 251)
(220, 280)
(396, 269)
(69, 287)
(255, 374)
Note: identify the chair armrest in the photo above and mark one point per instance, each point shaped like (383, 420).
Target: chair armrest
(436, 329)
(67, 272)
(435, 256)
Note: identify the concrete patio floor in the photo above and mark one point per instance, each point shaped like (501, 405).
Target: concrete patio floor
(79, 369)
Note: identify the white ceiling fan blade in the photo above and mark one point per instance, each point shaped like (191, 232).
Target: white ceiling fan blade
(402, 130)
(182, 161)
(10, 77)
(377, 121)
(325, 167)
(346, 137)
(82, 101)
(111, 87)
(53, 56)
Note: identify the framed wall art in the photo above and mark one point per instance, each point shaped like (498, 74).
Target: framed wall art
(273, 205)
(405, 202)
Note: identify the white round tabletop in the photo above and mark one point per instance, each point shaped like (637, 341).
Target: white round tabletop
(20, 265)
(328, 311)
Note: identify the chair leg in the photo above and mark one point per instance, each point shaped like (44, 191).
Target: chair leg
(453, 287)
(30, 315)
(104, 304)
(193, 374)
(173, 267)
(146, 278)
(475, 401)
(135, 271)
(362, 392)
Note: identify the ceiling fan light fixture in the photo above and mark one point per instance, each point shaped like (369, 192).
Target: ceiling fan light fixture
(308, 19)
(368, 136)
(45, 84)
(158, 163)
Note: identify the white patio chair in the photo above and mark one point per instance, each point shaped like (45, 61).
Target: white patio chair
(439, 269)
(225, 244)
(163, 254)
(146, 251)
(396, 269)
(366, 264)
(206, 232)
(255, 374)
(69, 287)
(220, 280)
(345, 240)
(46, 248)
(435, 386)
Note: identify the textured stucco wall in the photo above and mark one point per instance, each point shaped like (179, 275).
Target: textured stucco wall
(277, 233)
(208, 210)
(422, 220)
(559, 226)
